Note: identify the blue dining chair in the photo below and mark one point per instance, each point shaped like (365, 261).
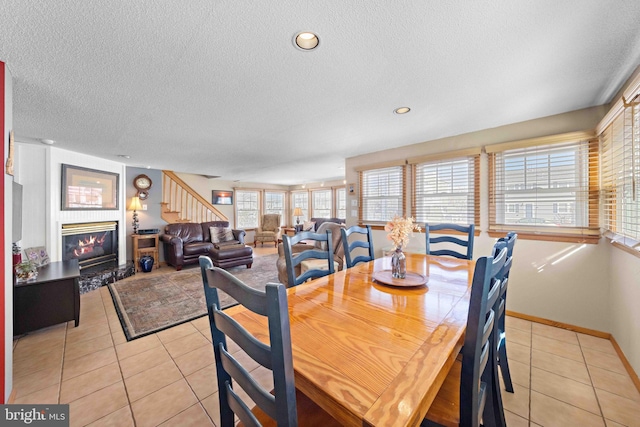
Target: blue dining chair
(322, 250)
(470, 392)
(510, 240)
(283, 404)
(349, 247)
(466, 245)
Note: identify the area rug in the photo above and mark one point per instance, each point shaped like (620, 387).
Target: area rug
(150, 303)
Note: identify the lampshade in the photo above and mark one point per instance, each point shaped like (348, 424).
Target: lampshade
(135, 204)
(297, 212)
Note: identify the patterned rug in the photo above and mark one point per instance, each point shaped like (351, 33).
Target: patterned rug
(150, 303)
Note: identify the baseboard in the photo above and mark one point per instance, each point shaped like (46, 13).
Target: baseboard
(632, 373)
(625, 362)
(573, 328)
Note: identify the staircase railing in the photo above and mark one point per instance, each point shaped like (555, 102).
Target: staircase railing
(181, 203)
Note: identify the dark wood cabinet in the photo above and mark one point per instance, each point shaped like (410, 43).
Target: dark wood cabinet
(54, 297)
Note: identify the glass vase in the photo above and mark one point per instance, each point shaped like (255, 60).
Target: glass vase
(398, 264)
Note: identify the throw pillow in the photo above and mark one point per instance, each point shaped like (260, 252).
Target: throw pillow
(221, 234)
(308, 226)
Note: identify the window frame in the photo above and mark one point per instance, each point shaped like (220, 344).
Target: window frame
(589, 231)
(282, 211)
(313, 208)
(620, 152)
(398, 168)
(472, 158)
(337, 199)
(238, 196)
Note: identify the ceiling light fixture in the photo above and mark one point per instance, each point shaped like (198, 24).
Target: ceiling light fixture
(48, 141)
(124, 156)
(306, 40)
(402, 110)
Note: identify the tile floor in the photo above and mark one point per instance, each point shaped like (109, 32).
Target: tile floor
(561, 378)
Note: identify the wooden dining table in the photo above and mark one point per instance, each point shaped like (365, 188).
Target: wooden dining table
(374, 354)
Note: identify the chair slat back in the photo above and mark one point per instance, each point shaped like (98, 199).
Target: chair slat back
(466, 251)
(510, 241)
(271, 303)
(476, 379)
(294, 260)
(349, 247)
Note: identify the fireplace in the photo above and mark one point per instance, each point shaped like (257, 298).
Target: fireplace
(94, 244)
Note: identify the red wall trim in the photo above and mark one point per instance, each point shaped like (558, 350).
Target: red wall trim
(2, 235)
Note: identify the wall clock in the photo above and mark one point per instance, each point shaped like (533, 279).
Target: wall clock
(142, 183)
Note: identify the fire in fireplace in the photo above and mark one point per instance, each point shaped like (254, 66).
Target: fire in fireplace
(92, 244)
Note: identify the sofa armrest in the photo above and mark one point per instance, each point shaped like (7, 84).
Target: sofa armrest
(171, 239)
(173, 250)
(239, 235)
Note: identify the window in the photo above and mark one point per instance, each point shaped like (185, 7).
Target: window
(620, 145)
(247, 209)
(382, 194)
(300, 199)
(341, 203)
(545, 189)
(274, 204)
(446, 190)
(321, 203)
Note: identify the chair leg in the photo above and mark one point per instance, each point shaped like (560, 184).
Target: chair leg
(493, 415)
(504, 364)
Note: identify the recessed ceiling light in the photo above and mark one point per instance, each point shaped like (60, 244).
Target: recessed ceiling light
(306, 40)
(402, 110)
(124, 156)
(48, 141)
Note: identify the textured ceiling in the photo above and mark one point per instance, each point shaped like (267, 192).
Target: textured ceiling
(217, 87)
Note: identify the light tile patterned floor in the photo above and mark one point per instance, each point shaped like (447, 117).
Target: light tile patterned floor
(561, 378)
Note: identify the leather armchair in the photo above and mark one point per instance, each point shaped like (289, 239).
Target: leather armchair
(268, 230)
(338, 250)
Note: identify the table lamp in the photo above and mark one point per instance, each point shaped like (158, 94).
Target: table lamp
(135, 206)
(297, 212)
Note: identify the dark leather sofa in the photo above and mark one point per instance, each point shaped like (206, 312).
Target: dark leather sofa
(184, 242)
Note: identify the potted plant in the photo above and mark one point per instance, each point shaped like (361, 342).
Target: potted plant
(26, 271)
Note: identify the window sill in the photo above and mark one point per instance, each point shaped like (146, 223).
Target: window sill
(548, 237)
(628, 245)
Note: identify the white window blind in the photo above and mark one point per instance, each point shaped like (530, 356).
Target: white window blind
(382, 194)
(300, 199)
(545, 189)
(620, 147)
(321, 203)
(341, 203)
(247, 209)
(274, 204)
(445, 190)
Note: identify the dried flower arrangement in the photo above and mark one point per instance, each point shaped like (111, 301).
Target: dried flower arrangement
(399, 230)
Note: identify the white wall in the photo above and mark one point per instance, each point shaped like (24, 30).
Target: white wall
(8, 222)
(572, 290)
(40, 173)
(624, 295)
(149, 217)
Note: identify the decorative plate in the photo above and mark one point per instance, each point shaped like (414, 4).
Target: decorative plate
(410, 280)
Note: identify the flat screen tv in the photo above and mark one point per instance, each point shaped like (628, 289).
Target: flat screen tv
(16, 234)
(222, 197)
